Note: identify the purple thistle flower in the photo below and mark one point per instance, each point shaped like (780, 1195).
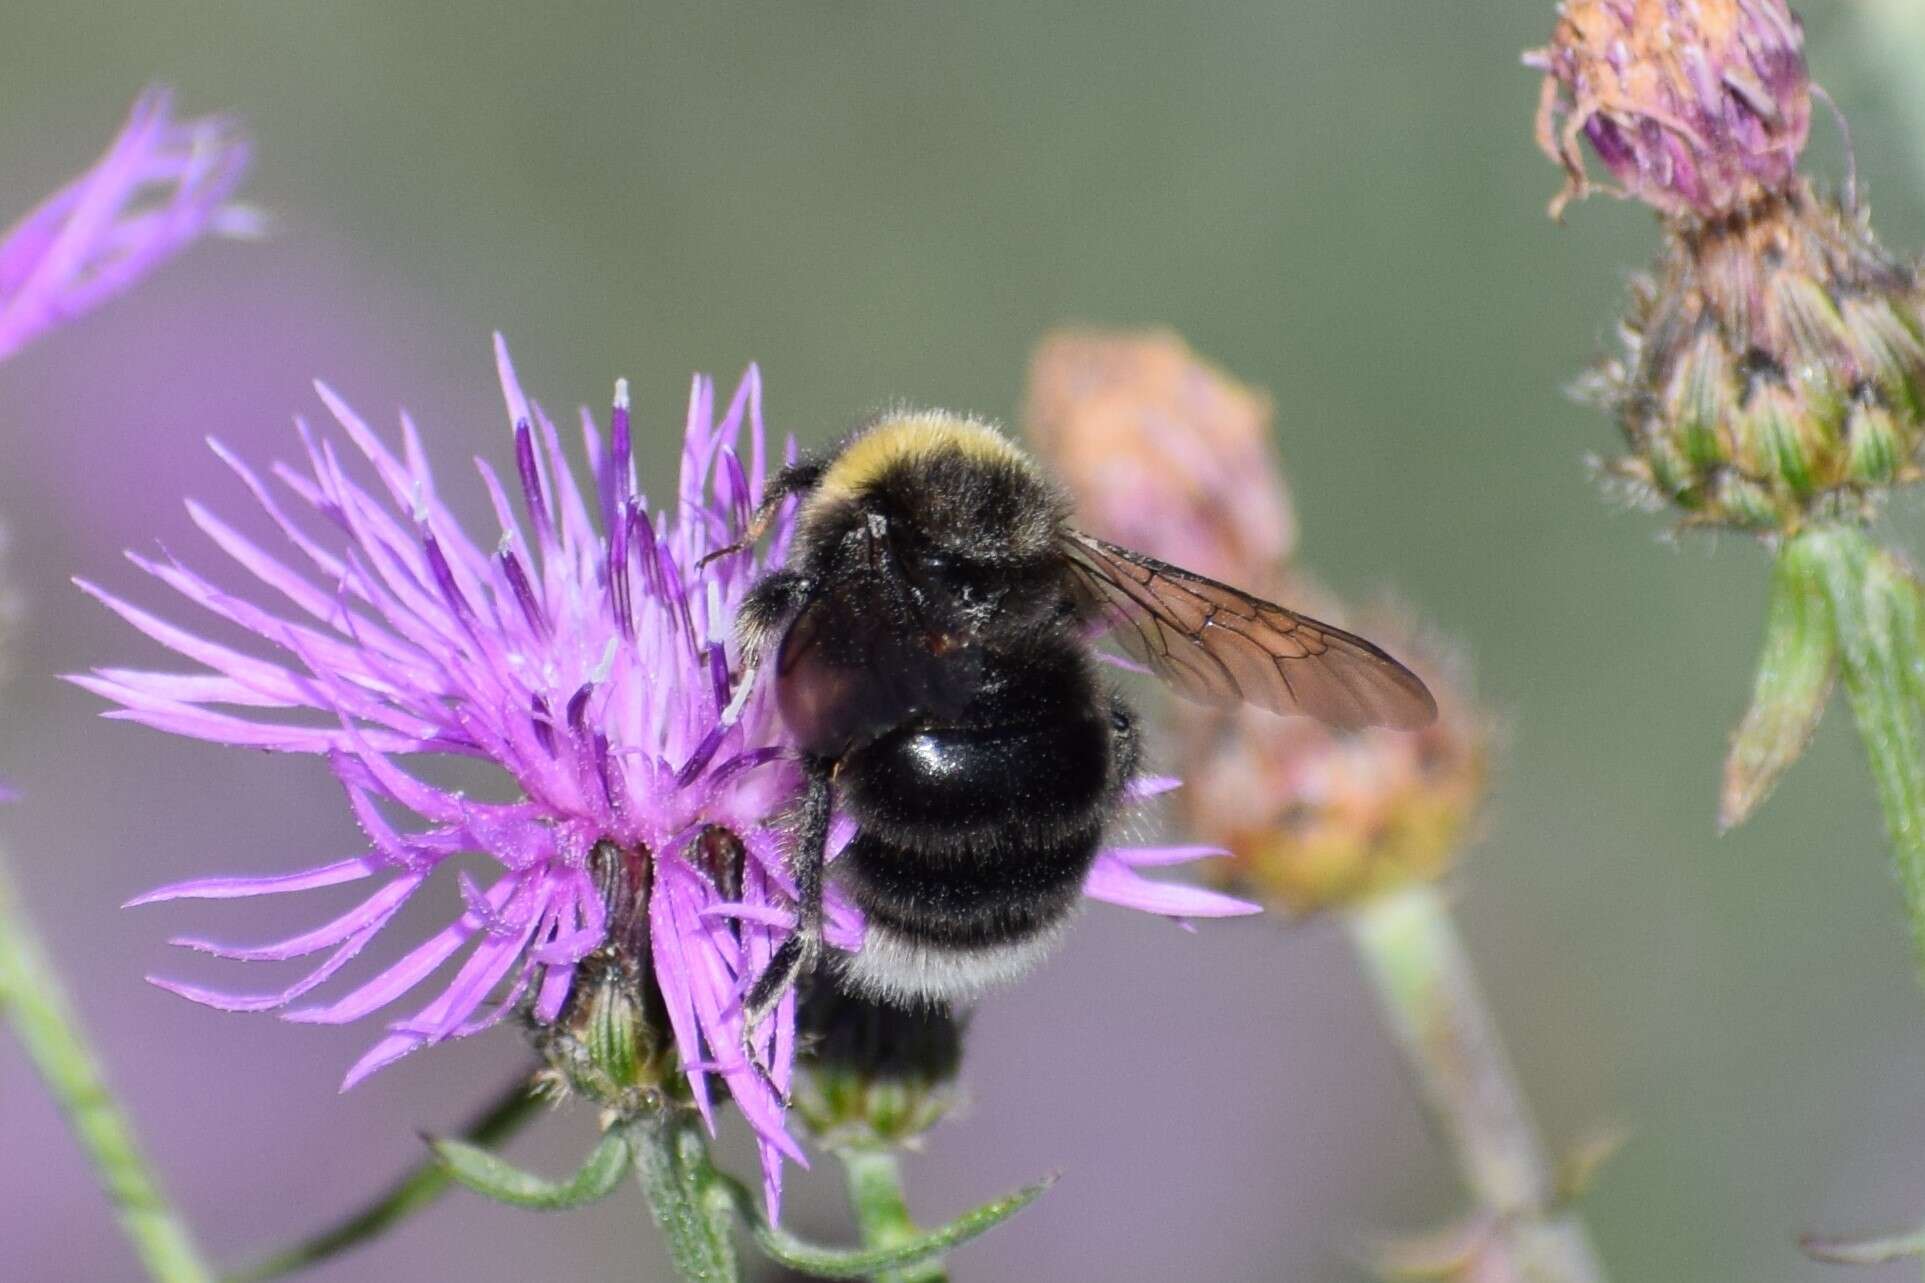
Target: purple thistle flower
(587, 654)
(158, 187)
(1697, 107)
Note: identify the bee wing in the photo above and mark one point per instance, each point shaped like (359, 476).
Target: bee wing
(1220, 646)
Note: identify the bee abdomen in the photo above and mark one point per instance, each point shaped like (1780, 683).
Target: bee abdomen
(963, 902)
(969, 791)
(948, 923)
(977, 832)
(947, 927)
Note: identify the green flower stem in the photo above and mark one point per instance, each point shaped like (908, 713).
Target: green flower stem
(33, 1000)
(414, 1191)
(1876, 611)
(688, 1201)
(882, 1214)
(1411, 949)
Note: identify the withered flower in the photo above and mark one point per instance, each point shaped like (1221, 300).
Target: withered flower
(1164, 451)
(1771, 377)
(1317, 819)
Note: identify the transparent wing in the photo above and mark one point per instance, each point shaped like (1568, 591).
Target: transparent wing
(1215, 644)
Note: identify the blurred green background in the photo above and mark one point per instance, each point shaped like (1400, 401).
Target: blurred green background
(1337, 201)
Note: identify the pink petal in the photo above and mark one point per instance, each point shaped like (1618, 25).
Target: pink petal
(377, 908)
(237, 888)
(403, 975)
(1113, 881)
(1146, 857)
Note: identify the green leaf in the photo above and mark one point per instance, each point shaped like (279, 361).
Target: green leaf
(1796, 672)
(1879, 614)
(855, 1263)
(502, 1181)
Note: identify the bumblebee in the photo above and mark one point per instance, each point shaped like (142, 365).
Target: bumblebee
(932, 638)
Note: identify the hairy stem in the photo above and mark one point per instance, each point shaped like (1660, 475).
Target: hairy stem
(882, 1213)
(671, 1161)
(1876, 609)
(1423, 978)
(36, 1004)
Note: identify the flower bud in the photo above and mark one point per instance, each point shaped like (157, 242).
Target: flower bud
(874, 1075)
(1697, 107)
(1772, 369)
(611, 1043)
(1162, 450)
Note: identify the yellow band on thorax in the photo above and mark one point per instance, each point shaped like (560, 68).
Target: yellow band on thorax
(900, 439)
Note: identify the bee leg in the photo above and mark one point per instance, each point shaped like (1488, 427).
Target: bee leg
(758, 622)
(796, 956)
(769, 605)
(1126, 745)
(793, 480)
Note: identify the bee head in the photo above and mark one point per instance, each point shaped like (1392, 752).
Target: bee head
(975, 532)
(964, 518)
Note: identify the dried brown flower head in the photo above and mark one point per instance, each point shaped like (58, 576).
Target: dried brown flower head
(1317, 819)
(1162, 450)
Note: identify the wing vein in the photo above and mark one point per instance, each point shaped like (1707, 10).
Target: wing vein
(1209, 641)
